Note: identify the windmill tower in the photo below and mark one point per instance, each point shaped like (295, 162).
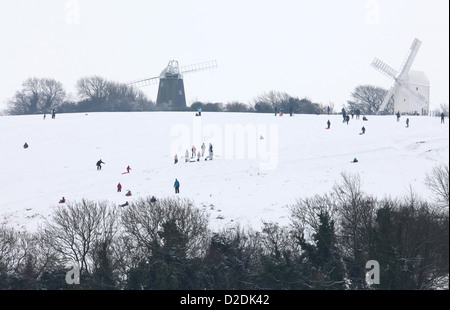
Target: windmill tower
(411, 89)
(171, 93)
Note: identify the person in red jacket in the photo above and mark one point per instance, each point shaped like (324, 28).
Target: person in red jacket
(119, 187)
(128, 169)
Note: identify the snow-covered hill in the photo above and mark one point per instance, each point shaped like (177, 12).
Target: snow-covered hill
(262, 163)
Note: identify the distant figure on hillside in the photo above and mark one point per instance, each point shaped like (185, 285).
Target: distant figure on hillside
(128, 193)
(363, 130)
(186, 156)
(358, 112)
(442, 117)
(25, 146)
(153, 199)
(290, 111)
(175, 158)
(211, 154)
(119, 187)
(407, 122)
(365, 118)
(45, 116)
(199, 111)
(203, 149)
(128, 169)
(124, 205)
(328, 124)
(99, 164)
(328, 110)
(53, 113)
(177, 186)
(354, 160)
(347, 119)
(198, 155)
(398, 116)
(194, 151)
(63, 200)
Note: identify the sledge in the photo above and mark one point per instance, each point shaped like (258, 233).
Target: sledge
(327, 128)
(360, 133)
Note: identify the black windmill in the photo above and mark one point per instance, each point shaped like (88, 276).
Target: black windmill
(171, 94)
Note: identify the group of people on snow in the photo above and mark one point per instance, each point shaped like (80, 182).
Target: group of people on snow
(196, 155)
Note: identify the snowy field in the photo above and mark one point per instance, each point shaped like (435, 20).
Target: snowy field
(262, 163)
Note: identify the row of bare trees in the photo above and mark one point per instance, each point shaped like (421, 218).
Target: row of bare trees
(41, 95)
(95, 93)
(168, 245)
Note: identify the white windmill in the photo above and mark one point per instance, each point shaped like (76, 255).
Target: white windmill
(411, 89)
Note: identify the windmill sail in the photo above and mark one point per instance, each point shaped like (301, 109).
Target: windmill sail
(410, 91)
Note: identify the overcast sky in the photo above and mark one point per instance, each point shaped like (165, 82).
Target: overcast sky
(320, 50)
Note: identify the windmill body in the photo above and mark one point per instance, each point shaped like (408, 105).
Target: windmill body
(171, 88)
(171, 94)
(417, 102)
(411, 89)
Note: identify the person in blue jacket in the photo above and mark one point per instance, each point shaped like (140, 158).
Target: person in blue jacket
(177, 186)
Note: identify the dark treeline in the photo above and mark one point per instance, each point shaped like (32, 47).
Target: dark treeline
(168, 245)
(97, 94)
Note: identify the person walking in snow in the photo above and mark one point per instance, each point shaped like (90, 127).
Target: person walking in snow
(407, 122)
(128, 169)
(211, 154)
(177, 186)
(398, 116)
(186, 156)
(194, 151)
(99, 164)
(442, 117)
(119, 188)
(198, 155)
(203, 149)
(329, 124)
(347, 119)
(175, 158)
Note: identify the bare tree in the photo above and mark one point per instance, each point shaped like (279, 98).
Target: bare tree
(38, 95)
(356, 214)
(76, 230)
(368, 99)
(52, 94)
(143, 223)
(438, 182)
(236, 106)
(276, 99)
(94, 87)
